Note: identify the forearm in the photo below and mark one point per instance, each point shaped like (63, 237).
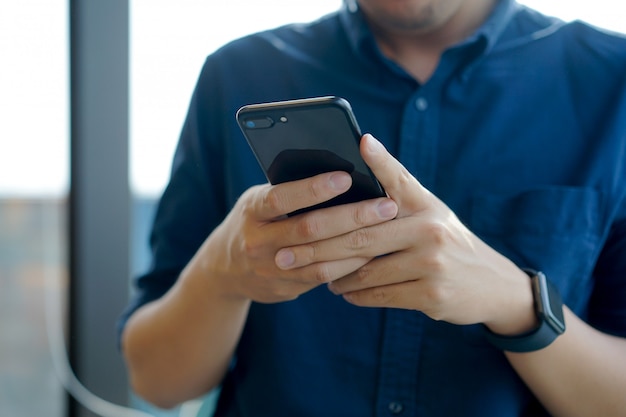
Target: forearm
(583, 373)
(180, 346)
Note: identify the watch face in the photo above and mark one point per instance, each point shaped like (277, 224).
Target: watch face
(550, 304)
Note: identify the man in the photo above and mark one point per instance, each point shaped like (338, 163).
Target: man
(508, 136)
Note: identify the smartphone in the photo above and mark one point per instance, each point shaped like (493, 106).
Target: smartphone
(297, 139)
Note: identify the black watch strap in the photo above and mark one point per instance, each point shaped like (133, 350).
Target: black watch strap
(549, 310)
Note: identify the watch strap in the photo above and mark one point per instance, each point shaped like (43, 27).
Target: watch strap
(546, 299)
(531, 341)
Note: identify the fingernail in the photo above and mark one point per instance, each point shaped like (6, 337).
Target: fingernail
(340, 181)
(387, 209)
(285, 258)
(373, 145)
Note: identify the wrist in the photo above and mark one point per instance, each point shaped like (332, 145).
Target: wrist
(548, 308)
(517, 314)
(204, 278)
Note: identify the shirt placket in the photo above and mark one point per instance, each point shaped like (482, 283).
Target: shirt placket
(397, 383)
(419, 135)
(403, 333)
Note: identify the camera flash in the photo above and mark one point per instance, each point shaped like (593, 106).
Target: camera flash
(283, 119)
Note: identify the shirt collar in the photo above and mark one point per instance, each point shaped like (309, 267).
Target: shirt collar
(361, 38)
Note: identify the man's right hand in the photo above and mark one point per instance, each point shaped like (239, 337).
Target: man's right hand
(243, 252)
(204, 313)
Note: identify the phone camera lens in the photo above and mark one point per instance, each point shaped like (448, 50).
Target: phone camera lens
(258, 123)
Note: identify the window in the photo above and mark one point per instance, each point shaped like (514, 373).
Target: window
(33, 188)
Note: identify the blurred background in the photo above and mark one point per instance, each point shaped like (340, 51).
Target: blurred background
(92, 98)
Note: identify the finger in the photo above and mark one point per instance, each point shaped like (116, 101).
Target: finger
(401, 295)
(316, 226)
(397, 181)
(326, 272)
(382, 238)
(382, 271)
(278, 200)
(415, 248)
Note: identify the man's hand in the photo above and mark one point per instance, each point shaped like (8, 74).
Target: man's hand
(425, 259)
(243, 253)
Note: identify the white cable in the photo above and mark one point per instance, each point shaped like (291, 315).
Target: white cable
(61, 364)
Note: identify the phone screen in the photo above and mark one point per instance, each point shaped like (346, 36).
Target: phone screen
(297, 139)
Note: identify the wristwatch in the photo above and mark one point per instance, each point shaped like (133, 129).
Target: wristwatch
(549, 311)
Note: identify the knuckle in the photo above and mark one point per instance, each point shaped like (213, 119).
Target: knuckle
(322, 274)
(405, 178)
(251, 247)
(437, 296)
(311, 253)
(308, 227)
(273, 201)
(356, 298)
(434, 263)
(360, 217)
(247, 205)
(314, 189)
(363, 274)
(359, 239)
(434, 295)
(381, 296)
(437, 233)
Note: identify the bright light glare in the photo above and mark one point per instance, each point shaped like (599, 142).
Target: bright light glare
(34, 119)
(608, 14)
(169, 42)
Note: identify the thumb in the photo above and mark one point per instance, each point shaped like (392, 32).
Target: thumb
(398, 182)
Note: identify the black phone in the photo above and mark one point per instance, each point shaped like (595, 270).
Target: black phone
(296, 139)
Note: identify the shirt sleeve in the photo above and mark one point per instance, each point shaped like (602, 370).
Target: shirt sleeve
(190, 207)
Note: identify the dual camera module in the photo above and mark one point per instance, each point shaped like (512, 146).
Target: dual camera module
(262, 122)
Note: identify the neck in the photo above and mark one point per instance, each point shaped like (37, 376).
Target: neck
(419, 50)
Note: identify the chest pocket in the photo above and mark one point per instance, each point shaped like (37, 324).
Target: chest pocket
(555, 229)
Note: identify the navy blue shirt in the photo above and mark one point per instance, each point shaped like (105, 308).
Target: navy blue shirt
(521, 131)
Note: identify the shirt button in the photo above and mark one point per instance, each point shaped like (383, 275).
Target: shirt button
(395, 407)
(421, 104)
